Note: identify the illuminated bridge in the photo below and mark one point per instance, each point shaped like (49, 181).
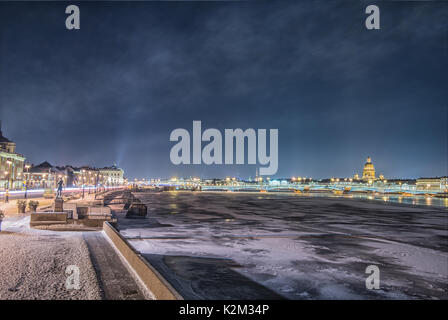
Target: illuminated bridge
(297, 187)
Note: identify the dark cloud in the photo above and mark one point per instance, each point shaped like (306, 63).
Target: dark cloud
(114, 90)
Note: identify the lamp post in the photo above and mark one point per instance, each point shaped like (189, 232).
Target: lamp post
(89, 180)
(83, 181)
(96, 183)
(12, 176)
(7, 187)
(50, 184)
(27, 167)
(8, 176)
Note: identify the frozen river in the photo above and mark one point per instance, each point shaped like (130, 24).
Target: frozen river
(218, 245)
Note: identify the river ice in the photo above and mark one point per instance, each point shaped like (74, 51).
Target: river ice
(295, 246)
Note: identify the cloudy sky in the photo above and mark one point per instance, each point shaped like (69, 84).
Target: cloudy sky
(113, 91)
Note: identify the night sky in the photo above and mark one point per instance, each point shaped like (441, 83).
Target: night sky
(113, 91)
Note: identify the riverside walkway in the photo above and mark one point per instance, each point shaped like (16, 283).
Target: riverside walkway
(33, 263)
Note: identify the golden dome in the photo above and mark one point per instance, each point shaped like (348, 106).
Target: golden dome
(368, 172)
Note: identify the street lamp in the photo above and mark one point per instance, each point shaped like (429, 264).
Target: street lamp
(7, 187)
(96, 183)
(27, 167)
(88, 180)
(9, 162)
(83, 181)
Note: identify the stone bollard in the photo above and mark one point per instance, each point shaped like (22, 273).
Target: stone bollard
(137, 210)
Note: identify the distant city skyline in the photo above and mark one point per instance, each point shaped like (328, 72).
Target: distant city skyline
(113, 91)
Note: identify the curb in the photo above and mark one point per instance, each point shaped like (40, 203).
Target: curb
(151, 278)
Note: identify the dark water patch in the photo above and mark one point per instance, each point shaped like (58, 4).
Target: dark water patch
(199, 278)
(256, 251)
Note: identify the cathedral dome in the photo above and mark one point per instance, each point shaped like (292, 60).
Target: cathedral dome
(368, 173)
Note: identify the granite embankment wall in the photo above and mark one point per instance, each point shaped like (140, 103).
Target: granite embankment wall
(151, 278)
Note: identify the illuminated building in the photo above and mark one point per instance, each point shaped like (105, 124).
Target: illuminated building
(11, 164)
(368, 173)
(86, 176)
(45, 175)
(111, 176)
(432, 184)
(444, 184)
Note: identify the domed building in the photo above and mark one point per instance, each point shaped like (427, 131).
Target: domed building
(368, 173)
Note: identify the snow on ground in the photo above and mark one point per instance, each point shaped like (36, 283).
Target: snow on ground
(302, 247)
(33, 263)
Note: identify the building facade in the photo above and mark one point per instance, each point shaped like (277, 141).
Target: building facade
(432, 184)
(368, 173)
(444, 184)
(111, 176)
(86, 176)
(45, 176)
(11, 164)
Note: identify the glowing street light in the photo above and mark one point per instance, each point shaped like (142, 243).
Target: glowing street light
(7, 186)
(27, 167)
